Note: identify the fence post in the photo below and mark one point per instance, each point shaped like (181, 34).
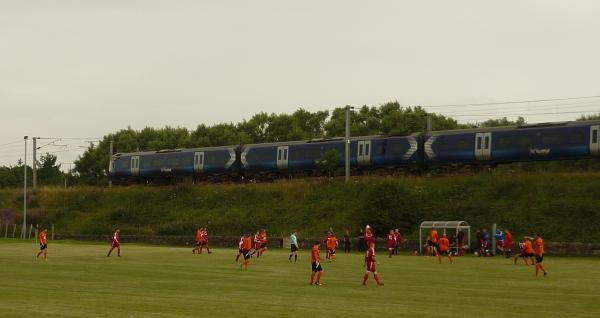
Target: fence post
(36, 235)
(53, 231)
(6, 231)
(30, 228)
(14, 230)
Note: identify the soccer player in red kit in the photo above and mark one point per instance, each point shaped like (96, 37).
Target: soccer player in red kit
(240, 250)
(204, 240)
(115, 244)
(369, 238)
(43, 244)
(371, 265)
(392, 239)
(508, 243)
(398, 240)
(317, 269)
(263, 241)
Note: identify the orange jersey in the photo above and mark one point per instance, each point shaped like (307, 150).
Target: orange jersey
(198, 235)
(247, 244)
(434, 236)
(528, 247)
(332, 243)
(444, 244)
(314, 254)
(539, 246)
(42, 238)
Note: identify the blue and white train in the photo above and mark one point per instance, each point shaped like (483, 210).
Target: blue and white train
(480, 146)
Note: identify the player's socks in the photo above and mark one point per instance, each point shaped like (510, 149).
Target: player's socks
(290, 258)
(312, 278)
(376, 276)
(237, 258)
(319, 274)
(365, 277)
(295, 258)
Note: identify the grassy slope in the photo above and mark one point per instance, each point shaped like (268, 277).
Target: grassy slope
(563, 206)
(78, 280)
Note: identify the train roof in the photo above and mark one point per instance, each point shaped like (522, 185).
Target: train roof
(505, 128)
(320, 140)
(179, 150)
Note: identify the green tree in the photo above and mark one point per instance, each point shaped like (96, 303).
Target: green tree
(49, 172)
(330, 162)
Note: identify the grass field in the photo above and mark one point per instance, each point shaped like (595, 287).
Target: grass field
(78, 280)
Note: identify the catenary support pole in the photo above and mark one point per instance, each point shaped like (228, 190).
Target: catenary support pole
(347, 143)
(23, 231)
(110, 164)
(34, 162)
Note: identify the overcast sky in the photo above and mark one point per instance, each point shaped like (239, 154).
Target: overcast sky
(87, 68)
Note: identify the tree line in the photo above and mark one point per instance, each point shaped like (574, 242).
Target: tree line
(390, 119)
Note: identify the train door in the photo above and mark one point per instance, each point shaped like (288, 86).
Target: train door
(135, 166)
(595, 140)
(364, 152)
(483, 146)
(282, 157)
(198, 162)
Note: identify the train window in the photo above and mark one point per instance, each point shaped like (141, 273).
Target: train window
(487, 142)
(159, 163)
(123, 164)
(478, 142)
(313, 153)
(463, 144)
(367, 149)
(595, 136)
(285, 154)
(279, 154)
(172, 162)
(360, 150)
(526, 141)
(552, 139)
(378, 149)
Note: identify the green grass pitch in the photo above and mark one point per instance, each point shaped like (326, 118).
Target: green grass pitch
(78, 280)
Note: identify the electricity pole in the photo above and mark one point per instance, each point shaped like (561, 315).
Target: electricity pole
(110, 164)
(347, 142)
(24, 192)
(34, 163)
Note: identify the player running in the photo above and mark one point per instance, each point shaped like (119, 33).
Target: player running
(246, 247)
(293, 246)
(371, 268)
(115, 243)
(526, 251)
(263, 242)
(198, 240)
(240, 251)
(508, 243)
(432, 242)
(392, 242)
(43, 244)
(539, 255)
(204, 240)
(444, 249)
(315, 259)
(332, 244)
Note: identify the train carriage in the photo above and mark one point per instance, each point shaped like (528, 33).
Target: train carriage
(366, 153)
(547, 141)
(197, 163)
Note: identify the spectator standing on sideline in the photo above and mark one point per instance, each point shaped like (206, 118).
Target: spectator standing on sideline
(347, 241)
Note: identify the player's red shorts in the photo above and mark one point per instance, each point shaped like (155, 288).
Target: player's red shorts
(116, 244)
(371, 267)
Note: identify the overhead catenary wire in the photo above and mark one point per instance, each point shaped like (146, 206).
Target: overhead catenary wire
(512, 102)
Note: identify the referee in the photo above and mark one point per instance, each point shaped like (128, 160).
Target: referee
(293, 247)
